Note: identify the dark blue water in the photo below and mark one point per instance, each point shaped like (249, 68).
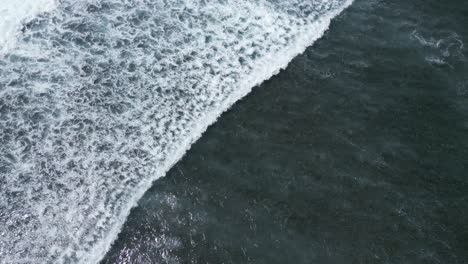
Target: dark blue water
(356, 153)
(98, 99)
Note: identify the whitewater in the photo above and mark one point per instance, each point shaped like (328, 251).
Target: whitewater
(100, 98)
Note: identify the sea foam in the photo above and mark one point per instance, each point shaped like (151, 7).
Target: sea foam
(13, 13)
(100, 98)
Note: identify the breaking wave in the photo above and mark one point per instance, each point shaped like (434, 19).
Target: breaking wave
(100, 98)
(14, 13)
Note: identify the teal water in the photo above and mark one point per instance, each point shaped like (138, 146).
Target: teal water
(356, 153)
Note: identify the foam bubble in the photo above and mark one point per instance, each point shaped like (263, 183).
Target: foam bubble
(14, 13)
(101, 98)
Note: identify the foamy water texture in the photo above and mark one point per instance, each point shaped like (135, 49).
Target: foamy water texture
(15, 12)
(100, 98)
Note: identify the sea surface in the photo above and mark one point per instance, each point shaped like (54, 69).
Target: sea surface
(356, 152)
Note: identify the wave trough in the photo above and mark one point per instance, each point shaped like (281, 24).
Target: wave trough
(100, 98)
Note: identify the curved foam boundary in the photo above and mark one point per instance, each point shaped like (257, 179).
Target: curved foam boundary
(103, 97)
(266, 71)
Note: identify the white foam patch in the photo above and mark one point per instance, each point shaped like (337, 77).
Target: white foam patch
(13, 13)
(100, 99)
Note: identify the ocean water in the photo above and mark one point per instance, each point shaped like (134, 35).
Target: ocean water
(100, 98)
(14, 13)
(355, 153)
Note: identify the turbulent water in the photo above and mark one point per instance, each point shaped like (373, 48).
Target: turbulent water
(14, 13)
(356, 153)
(100, 98)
